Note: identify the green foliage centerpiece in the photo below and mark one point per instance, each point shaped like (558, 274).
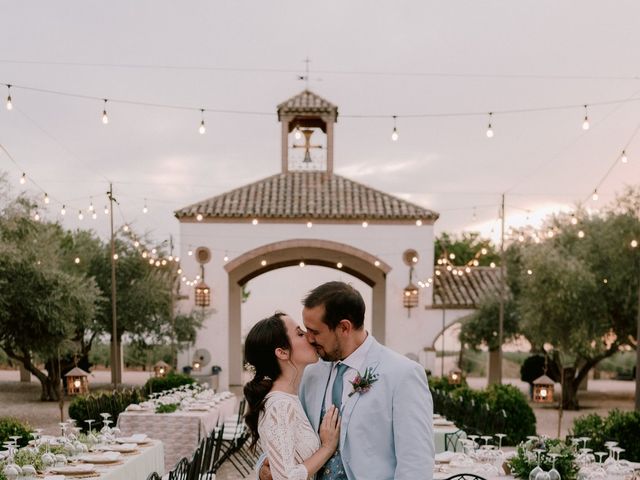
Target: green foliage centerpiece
(526, 458)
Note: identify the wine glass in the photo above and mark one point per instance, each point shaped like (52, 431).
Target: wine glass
(500, 437)
(542, 475)
(553, 473)
(486, 439)
(48, 458)
(534, 473)
(473, 438)
(29, 472)
(609, 445)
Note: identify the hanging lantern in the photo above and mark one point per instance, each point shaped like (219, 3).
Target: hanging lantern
(543, 390)
(455, 377)
(203, 295)
(77, 382)
(161, 369)
(410, 296)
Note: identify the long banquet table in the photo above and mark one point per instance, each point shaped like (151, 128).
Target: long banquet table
(180, 431)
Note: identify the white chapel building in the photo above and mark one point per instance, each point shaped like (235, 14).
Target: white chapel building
(307, 211)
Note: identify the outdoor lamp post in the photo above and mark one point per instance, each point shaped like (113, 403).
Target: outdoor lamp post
(543, 390)
(161, 369)
(77, 382)
(455, 377)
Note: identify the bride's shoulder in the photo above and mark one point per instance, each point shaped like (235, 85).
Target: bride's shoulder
(277, 396)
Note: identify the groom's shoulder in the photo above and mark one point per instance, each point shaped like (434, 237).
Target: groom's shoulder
(396, 361)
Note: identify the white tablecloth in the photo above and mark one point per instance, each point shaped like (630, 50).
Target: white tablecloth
(180, 431)
(135, 466)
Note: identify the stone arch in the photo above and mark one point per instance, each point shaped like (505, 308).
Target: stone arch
(356, 262)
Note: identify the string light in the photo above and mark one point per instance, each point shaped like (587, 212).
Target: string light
(394, 133)
(297, 134)
(301, 264)
(580, 234)
(199, 217)
(46, 199)
(91, 209)
(145, 209)
(263, 263)
(105, 117)
(125, 228)
(190, 252)
(595, 195)
(36, 217)
(634, 243)
(202, 129)
(339, 264)
(137, 244)
(9, 102)
(365, 224)
(63, 210)
(418, 223)
(574, 220)
(94, 215)
(623, 157)
(80, 215)
(254, 221)
(226, 258)
(585, 124)
(106, 211)
(23, 179)
(490, 128)
(309, 224)
(115, 256)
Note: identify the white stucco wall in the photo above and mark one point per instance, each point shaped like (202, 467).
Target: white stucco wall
(387, 242)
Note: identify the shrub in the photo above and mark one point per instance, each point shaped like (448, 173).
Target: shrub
(172, 380)
(621, 427)
(89, 407)
(526, 460)
(520, 420)
(11, 427)
(442, 383)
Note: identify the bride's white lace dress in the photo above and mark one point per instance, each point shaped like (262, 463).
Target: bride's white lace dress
(286, 436)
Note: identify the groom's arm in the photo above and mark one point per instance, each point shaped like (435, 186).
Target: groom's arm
(413, 426)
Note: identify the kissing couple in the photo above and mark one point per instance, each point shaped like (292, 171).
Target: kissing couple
(363, 412)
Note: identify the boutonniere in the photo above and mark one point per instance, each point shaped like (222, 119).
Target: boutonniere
(363, 382)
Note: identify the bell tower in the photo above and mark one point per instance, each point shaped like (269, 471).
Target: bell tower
(307, 133)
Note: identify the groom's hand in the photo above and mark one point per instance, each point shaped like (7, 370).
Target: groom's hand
(265, 471)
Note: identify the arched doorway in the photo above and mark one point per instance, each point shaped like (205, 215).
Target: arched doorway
(326, 253)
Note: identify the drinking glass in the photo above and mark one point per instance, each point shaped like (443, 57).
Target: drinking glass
(534, 473)
(553, 473)
(500, 437)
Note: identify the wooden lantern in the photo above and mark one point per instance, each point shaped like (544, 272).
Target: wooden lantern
(77, 382)
(410, 296)
(543, 390)
(455, 377)
(203, 295)
(160, 369)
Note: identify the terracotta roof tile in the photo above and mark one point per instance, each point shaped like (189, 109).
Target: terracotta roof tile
(307, 195)
(464, 291)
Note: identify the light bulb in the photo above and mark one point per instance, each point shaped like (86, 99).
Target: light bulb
(94, 215)
(145, 254)
(394, 134)
(595, 196)
(91, 209)
(634, 243)
(190, 252)
(46, 199)
(489, 129)
(9, 102)
(623, 157)
(136, 244)
(151, 261)
(585, 124)
(339, 265)
(80, 215)
(154, 251)
(580, 234)
(254, 221)
(105, 117)
(574, 220)
(492, 265)
(377, 263)
(309, 224)
(115, 256)
(63, 210)
(301, 264)
(418, 223)
(226, 258)
(36, 217)
(202, 129)
(77, 260)
(125, 227)
(23, 179)
(263, 263)
(106, 210)
(365, 224)
(297, 133)
(199, 217)
(145, 209)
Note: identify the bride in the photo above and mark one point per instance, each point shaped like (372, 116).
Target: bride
(278, 350)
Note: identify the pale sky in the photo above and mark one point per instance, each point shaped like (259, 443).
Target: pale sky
(389, 58)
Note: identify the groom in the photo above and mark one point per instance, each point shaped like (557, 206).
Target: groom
(387, 410)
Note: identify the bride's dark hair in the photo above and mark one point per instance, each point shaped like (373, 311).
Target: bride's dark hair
(259, 351)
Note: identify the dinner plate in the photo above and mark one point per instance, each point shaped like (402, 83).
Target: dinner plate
(80, 469)
(135, 438)
(122, 448)
(106, 457)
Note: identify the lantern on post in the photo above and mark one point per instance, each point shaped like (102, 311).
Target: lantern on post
(203, 292)
(543, 389)
(77, 382)
(410, 295)
(161, 369)
(455, 377)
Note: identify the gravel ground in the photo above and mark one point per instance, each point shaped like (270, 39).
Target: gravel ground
(21, 400)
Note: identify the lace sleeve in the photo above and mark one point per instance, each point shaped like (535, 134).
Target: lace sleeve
(277, 438)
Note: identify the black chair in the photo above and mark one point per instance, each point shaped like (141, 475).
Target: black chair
(213, 448)
(154, 476)
(465, 476)
(181, 470)
(452, 440)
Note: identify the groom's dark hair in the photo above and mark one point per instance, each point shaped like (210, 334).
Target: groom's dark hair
(340, 300)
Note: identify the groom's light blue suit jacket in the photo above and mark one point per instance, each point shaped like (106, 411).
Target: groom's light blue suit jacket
(387, 432)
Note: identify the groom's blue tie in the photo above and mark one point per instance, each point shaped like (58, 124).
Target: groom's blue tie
(334, 469)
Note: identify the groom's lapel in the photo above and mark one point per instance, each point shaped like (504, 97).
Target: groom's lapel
(372, 360)
(317, 396)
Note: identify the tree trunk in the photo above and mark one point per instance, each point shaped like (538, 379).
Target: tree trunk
(47, 382)
(495, 373)
(570, 390)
